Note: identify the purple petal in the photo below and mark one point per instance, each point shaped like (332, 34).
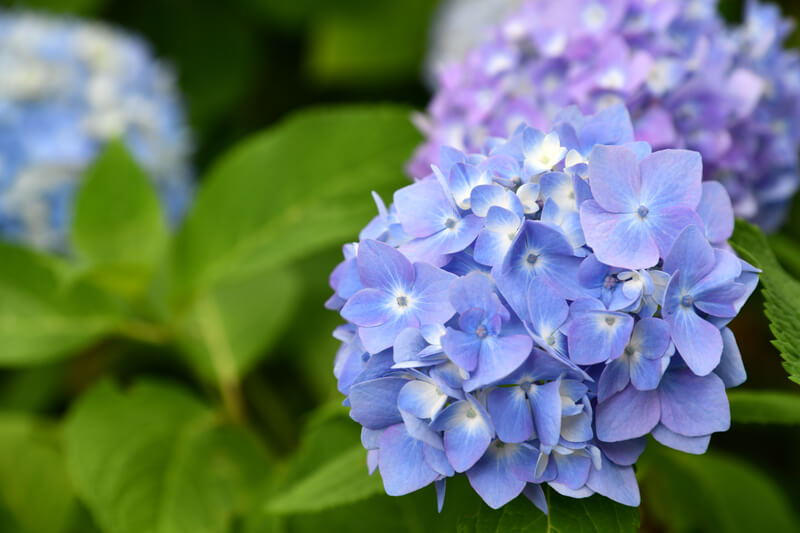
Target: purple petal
(402, 463)
(374, 403)
(627, 415)
(382, 267)
(511, 414)
(671, 178)
(693, 406)
(620, 240)
(614, 179)
(716, 211)
(695, 445)
(473, 291)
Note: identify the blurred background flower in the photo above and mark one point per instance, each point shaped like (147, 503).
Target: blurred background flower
(67, 87)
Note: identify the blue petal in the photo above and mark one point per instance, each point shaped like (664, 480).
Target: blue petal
(437, 460)
(423, 208)
(402, 464)
(545, 403)
(547, 310)
(716, 211)
(535, 494)
(486, 196)
(650, 338)
(693, 406)
(382, 267)
(698, 341)
(421, 399)
(671, 178)
(381, 337)
(374, 402)
(498, 357)
(474, 290)
(597, 337)
(615, 377)
(645, 373)
(369, 308)
(577, 428)
(730, 369)
(407, 345)
(463, 178)
(493, 480)
(627, 415)
(511, 414)
(691, 255)
(429, 298)
(695, 445)
(666, 224)
(573, 469)
(626, 452)
(620, 240)
(462, 348)
(467, 433)
(614, 179)
(615, 482)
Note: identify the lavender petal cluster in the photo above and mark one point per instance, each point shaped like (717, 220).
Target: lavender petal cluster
(67, 87)
(689, 80)
(528, 314)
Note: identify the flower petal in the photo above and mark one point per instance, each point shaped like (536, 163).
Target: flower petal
(614, 178)
(627, 415)
(693, 406)
(620, 240)
(402, 463)
(511, 414)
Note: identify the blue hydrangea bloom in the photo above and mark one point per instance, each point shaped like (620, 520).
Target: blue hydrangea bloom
(66, 88)
(689, 80)
(525, 316)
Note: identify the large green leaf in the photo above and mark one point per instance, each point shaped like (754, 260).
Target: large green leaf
(227, 328)
(153, 459)
(290, 191)
(764, 407)
(341, 481)
(35, 491)
(119, 231)
(711, 493)
(595, 514)
(781, 294)
(43, 315)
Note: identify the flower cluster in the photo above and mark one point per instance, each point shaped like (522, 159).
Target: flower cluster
(66, 88)
(528, 314)
(732, 94)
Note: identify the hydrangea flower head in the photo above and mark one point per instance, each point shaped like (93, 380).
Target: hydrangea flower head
(67, 87)
(731, 94)
(528, 323)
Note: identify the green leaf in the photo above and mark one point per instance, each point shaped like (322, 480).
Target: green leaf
(764, 407)
(35, 490)
(781, 294)
(72, 7)
(291, 191)
(711, 493)
(153, 459)
(341, 481)
(589, 515)
(228, 328)
(119, 230)
(43, 316)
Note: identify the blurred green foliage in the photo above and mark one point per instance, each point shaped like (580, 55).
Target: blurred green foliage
(182, 383)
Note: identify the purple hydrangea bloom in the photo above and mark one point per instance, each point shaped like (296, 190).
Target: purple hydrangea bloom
(498, 325)
(689, 80)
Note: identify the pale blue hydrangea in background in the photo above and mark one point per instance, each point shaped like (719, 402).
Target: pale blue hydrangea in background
(689, 80)
(527, 314)
(66, 88)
